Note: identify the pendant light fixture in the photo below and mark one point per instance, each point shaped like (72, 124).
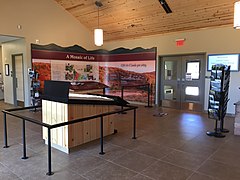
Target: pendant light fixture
(237, 15)
(165, 6)
(98, 33)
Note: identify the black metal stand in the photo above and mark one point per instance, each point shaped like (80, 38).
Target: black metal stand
(224, 130)
(134, 124)
(123, 112)
(49, 127)
(34, 102)
(149, 94)
(24, 140)
(34, 110)
(5, 130)
(101, 136)
(218, 98)
(216, 132)
(115, 131)
(49, 173)
(222, 125)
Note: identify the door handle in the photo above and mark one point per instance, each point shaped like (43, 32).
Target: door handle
(178, 83)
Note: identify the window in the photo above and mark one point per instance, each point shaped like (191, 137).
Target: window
(193, 70)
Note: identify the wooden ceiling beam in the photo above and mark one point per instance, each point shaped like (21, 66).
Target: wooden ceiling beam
(137, 18)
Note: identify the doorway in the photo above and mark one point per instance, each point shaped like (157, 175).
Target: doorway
(18, 83)
(183, 81)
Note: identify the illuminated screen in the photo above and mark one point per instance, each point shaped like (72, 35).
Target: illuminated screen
(226, 59)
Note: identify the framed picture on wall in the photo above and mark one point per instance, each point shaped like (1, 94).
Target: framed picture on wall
(7, 69)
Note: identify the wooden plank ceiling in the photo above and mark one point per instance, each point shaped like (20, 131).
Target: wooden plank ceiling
(127, 19)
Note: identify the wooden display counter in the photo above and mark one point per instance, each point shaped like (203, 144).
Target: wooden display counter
(66, 137)
(58, 105)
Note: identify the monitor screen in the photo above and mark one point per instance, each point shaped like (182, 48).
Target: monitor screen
(226, 59)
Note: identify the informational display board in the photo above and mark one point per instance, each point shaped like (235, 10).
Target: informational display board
(116, 68)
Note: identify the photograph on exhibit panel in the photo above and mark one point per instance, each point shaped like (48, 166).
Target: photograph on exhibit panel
(43, 68)
(132, 75)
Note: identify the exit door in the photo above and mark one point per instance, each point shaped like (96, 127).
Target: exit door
(182, 82)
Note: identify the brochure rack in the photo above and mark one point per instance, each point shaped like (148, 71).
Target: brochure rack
(218, 98)
(35, 87)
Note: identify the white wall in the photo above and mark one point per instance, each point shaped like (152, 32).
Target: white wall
(9, 49)
(42, 20)
(1, 76)
(211, 41)
(1, 71)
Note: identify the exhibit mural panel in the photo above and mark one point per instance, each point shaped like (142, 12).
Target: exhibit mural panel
(119, 68)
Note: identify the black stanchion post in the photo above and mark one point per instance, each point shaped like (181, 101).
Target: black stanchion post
(148, 86)
(49, 173)
(122, 96)
(5, 130)
(122, 92)
(123, 112)
(101, 136)
(222, 129)
(104, 91)
(24, 139)
(216, 127)
(151, 94)
(134, 124)
(148, 94)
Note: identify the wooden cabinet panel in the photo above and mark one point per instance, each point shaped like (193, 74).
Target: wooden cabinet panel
(79, 133)
(76, 133)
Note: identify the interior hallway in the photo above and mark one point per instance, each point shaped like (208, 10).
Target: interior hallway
(174, 146)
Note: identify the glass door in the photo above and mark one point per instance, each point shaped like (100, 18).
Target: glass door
(182, 82)
(193, 82)
(170, 81)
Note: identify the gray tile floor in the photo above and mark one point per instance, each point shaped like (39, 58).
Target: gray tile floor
(170, 147)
